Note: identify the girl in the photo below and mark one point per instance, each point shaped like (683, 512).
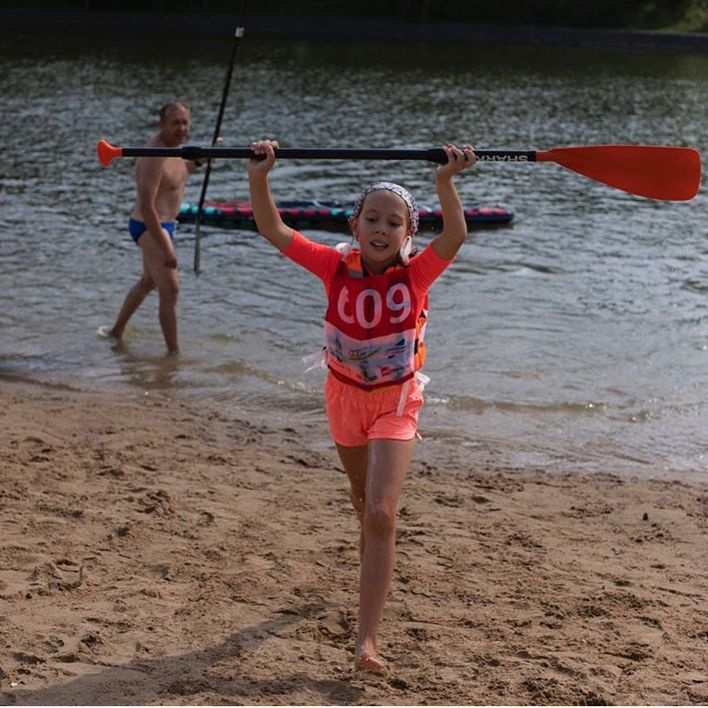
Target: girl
(374, 326)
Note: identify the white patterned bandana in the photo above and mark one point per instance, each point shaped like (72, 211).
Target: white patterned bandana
(402, 192)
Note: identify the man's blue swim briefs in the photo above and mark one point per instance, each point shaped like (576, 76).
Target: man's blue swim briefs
(137, 228)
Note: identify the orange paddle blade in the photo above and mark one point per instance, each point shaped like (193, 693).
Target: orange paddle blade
(106, 152)
(654, 171)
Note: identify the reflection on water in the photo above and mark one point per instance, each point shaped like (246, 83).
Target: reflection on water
(150, 372)
(576, 336)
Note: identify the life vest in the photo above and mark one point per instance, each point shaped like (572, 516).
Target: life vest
(374, 325)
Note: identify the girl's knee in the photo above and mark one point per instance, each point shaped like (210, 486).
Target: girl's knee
(379, 520)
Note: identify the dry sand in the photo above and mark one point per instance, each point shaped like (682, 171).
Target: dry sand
(164, 551)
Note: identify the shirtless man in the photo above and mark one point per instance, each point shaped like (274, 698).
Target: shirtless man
(160, 185)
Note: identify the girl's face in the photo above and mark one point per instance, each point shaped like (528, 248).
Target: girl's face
(380, 229)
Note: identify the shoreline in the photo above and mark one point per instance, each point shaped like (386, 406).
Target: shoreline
(354, 28)
(164, 550)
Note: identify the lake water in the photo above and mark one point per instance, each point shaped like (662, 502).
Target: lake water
(577, 338)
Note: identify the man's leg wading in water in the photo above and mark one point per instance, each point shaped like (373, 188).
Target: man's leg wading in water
(155, 275)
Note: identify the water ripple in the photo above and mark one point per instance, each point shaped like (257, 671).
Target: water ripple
(578, 334)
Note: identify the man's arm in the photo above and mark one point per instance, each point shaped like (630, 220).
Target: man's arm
(194, 165)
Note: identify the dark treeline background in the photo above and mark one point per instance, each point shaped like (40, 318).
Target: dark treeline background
(676, 15)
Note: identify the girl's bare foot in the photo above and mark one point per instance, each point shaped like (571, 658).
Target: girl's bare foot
(368, 661)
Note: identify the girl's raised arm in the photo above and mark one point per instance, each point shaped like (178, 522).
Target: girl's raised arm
(265, 212)
(448, 242)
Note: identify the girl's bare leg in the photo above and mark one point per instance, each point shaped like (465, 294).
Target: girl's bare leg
(387, 464)
(354, 460)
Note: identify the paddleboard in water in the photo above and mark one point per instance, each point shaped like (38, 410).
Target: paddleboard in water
(322, 215)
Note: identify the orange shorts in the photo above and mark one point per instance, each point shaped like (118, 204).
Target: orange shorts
(357, 416)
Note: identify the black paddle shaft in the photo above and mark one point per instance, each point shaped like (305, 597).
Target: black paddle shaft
(194, 152)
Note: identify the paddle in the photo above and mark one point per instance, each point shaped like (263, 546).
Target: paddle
(238, 33)
(654, 171)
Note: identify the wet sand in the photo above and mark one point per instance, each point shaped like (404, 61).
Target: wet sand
(164, 551)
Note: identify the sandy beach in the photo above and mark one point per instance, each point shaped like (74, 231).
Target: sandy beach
(159, 550)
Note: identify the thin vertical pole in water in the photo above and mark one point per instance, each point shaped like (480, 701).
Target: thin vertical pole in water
(238, 34)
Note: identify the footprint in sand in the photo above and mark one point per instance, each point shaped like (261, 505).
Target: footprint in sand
(63, 574)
